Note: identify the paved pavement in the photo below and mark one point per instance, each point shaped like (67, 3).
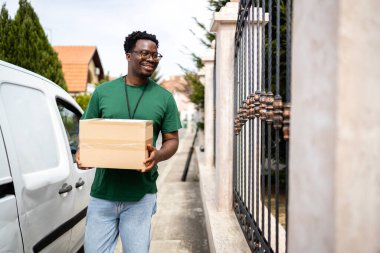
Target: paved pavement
(179, 224)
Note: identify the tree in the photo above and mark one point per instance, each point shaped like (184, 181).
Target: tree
(197, 88)
(209, 36)
(197, 94)
(25, 44)
(6, 45)
(282, 76)
(216, 5)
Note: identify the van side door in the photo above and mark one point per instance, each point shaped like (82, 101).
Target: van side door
(38, 162)
(10, 234)
(70, 116)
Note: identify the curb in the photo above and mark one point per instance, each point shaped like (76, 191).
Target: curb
(223, 229)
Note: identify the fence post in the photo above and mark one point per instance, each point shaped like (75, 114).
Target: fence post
(208, 61)
(335, 129)
(224, 24)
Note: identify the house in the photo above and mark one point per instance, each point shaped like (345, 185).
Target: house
(176, 84)
(180, 89)
(81, 67)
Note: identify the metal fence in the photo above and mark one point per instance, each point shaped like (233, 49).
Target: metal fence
(262, 112)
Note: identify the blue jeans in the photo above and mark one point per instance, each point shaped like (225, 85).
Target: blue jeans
(106, 220)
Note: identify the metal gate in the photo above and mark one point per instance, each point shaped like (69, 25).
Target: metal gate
(262, 112)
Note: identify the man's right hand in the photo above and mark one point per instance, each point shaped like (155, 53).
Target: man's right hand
(77, 159)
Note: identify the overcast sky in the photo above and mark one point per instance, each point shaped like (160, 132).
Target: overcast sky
(106, 23)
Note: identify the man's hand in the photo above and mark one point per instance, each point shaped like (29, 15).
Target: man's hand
(153, 158)
(77, 159)
(169, 147)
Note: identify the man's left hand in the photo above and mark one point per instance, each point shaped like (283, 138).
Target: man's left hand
(153, 158)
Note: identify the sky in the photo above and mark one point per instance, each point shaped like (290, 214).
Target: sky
(105, 24)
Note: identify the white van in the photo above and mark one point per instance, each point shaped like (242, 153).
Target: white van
(43, 194)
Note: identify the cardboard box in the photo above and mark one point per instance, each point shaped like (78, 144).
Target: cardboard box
(114, 143)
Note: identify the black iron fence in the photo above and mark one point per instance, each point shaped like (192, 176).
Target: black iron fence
(262, 112)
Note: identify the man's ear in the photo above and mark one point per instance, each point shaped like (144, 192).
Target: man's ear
(128, 56)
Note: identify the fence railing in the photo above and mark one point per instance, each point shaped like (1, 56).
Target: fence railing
(260, 183)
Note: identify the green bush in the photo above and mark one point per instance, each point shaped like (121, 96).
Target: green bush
(83, 100)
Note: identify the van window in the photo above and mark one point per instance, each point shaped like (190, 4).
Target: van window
(70, 117)
(30, 127)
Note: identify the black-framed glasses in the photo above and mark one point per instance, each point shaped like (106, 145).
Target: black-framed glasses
(145, 54)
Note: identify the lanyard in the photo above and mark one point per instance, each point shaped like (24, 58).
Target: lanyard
(138, 102)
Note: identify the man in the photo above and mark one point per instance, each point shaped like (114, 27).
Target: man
(122, 202)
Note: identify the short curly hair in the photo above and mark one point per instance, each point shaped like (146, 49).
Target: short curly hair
(131, 39)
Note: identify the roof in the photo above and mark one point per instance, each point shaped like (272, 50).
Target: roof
(75, 61)
(176, 83)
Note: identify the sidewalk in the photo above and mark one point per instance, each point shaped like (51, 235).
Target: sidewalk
(224, 232)
(179, 224)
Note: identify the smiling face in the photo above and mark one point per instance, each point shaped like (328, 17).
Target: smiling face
(142, 67)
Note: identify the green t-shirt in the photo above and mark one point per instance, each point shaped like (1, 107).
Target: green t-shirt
(109, 101)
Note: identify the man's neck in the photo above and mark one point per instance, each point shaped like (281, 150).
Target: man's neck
(136, 81)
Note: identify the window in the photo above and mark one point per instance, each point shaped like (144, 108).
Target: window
(70, 118)
(30, 126)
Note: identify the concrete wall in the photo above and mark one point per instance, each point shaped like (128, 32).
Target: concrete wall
(208, 61)
(335, 127)
(334, 180)
(223, 229)
(224, 24)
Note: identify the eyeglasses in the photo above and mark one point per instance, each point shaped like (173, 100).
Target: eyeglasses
(145, 54)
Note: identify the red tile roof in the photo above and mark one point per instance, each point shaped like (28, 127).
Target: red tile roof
(75, 61)
(176, 83)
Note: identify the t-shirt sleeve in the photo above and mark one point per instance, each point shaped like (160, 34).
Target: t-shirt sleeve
(171, 121)
(92, 110)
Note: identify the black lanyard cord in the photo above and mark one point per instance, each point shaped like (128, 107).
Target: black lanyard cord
(138, 102)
